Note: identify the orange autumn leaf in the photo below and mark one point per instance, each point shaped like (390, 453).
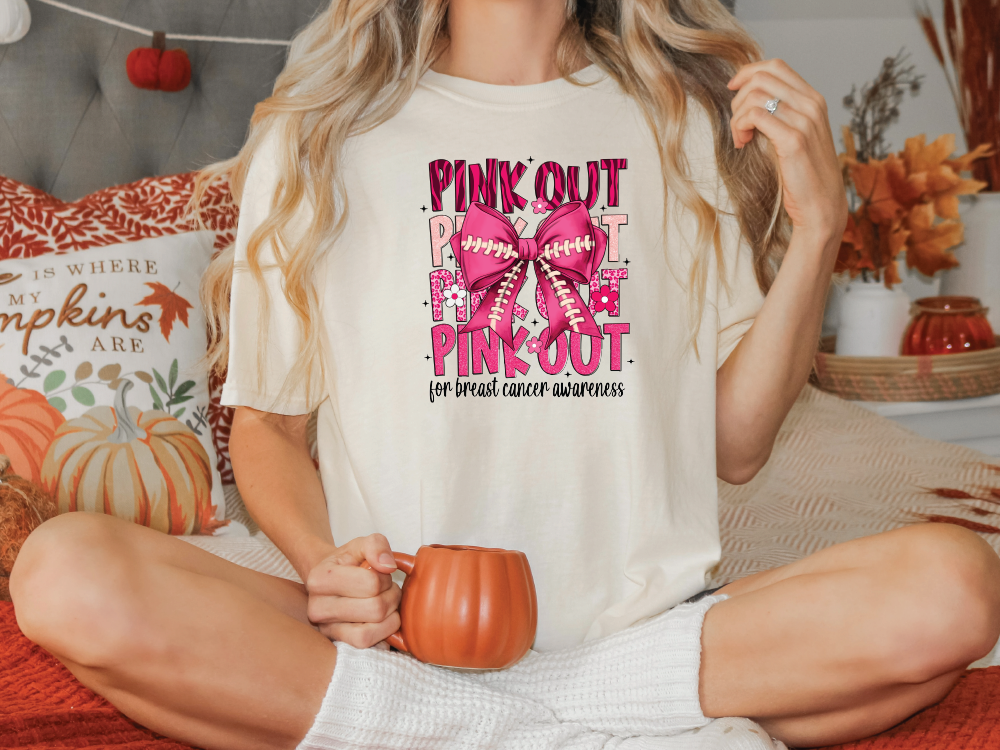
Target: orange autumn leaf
(172, 305)
(920, 157)
(853, 255)
(849, 248)
(871, 180)
(942, 178)
(930, 168)
(929, 244)
(894, 239)
(866, 237)
(946, 186)
(964, 163)
(890, 275)
(900, 198)
(907, 189)
(947, 207)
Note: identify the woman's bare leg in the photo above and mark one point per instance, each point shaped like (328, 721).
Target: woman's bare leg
(855, 638)
(840, 645)
(181, 641)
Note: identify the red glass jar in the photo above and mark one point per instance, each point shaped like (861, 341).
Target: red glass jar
(947, 325)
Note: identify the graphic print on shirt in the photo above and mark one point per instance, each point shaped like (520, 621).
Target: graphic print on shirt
(481, 256)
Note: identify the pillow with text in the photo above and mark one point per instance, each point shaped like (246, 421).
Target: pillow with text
(104, 400)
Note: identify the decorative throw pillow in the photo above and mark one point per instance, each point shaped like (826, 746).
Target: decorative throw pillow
(103, 400)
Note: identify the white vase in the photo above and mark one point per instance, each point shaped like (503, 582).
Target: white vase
(872, 320)
(979, 272)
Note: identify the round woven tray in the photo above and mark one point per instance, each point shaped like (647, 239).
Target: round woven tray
(939, 377)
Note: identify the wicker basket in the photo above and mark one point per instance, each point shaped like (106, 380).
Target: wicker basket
(939, 377)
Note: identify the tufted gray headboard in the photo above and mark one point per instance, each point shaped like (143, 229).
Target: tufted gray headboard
(70, 121)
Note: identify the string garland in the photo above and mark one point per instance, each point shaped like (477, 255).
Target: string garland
(149, 32)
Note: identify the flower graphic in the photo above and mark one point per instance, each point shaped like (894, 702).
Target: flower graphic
(537, 343)
(455, 297)
(540, 206)
(605, 299)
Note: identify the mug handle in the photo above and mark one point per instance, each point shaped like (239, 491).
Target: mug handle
(404, 562)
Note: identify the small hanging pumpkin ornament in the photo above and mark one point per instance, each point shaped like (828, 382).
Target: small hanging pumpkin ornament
(158, 68)
(15, 20)
(23, 508)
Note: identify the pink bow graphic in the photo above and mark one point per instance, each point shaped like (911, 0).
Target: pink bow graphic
(567, 248)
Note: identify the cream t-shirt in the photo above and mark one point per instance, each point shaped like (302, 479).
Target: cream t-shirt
(503, 350)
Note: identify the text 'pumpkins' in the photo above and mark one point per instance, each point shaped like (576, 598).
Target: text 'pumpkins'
(145, 467)
(27, 424)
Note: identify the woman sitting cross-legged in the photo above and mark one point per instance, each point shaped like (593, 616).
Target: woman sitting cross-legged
(523, 256)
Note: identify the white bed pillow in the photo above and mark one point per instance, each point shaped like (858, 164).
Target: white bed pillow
(103, 397)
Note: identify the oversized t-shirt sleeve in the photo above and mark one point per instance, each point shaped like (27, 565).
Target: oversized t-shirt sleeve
(264, 338)
(738, 305)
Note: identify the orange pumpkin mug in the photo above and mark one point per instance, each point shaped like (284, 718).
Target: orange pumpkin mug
(466, 607)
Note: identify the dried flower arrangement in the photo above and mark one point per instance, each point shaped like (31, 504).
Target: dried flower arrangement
(876, 106)
(897, 198)
(972, 35)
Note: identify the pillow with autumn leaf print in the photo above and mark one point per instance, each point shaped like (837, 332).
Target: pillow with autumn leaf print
(102, 398)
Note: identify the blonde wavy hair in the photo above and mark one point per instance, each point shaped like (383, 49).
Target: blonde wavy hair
(357, 63)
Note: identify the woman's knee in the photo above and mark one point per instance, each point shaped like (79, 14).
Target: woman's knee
(70, 587)
(951, 577)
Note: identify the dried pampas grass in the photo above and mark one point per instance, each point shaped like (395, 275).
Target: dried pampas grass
(972, 39)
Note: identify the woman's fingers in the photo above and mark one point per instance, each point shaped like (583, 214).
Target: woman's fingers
(804, 110)
(799, 132)
(770, 85)
(743, 128)
(377, 552)
(777, 68)
(787, 140)
(352, 597)
(330, 609)
(337, 579)
(361, 635)
(373, 549)
(360, 568)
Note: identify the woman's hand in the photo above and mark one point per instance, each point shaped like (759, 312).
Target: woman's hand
(799, 130)
(354, 604)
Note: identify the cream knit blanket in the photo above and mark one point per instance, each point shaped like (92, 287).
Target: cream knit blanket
(837, 472)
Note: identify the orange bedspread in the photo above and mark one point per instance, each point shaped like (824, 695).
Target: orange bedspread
(43, 706)
(967, 719)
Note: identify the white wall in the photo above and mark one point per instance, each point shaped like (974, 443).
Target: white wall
(834, 43)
